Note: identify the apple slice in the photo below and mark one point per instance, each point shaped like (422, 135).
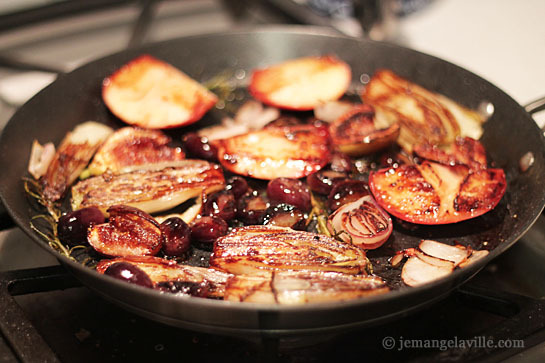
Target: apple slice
(150, 93)
(302, 83)
(433, 193)
(274, 152)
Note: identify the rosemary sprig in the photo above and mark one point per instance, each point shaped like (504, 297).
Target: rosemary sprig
(51, 235)
(35, 191)
(48, 228)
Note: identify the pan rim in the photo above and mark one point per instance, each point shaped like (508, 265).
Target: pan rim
(237, 306)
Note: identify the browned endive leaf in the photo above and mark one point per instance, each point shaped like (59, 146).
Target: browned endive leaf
(72, 156)
(129, 232)
(301, 287)
(257, 250)
(132, 148)
(161, 270)
(424, 117)
(152, 191)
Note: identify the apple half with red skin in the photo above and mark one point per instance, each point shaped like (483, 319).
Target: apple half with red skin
(301, 84)
(150, 93)
(275, 152)
(432, 193)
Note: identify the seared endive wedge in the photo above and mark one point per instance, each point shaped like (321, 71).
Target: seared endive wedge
(424, 116)
(257, 250)
(72, 156)
(301, 287)
(150, 191)
(133, 148)
(162, 270)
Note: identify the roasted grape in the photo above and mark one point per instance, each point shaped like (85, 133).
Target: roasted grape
(199, 147)
(289, 191)
(238, 185)
(251, 207)
(221, 204)
(284, 215)
(345, 192)
(72, 227)
(130, 273)
(207, 229)
(322, 181)
(176, 236)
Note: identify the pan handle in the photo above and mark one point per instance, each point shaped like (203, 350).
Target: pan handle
(535, 106)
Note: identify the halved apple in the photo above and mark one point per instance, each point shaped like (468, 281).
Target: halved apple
(433, 193)
(302, 83)
(150, 93)
(274, 152)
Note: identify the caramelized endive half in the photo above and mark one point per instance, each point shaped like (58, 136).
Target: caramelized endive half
(150, 191)
(257, 250)
(132, 148)
(424, 117)
(150, 93)
(72, 156)
(274, 152)
(432, 193)
(162, 270)
(302, 83)
(301, 287)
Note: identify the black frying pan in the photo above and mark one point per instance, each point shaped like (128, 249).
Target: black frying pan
(509, 134)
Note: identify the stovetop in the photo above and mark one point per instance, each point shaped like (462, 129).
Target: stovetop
(48, 316)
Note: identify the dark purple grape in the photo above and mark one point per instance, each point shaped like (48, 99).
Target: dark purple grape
(341, 163)
(72, 227)
(289, 191)
(221, 204)
(208, 229)
(176, 236)
(199, 147)
(251, 207)
(185, 288)
(130, 273)
(284, 215)
(322, 181)
(238, 185)
(345, 192)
